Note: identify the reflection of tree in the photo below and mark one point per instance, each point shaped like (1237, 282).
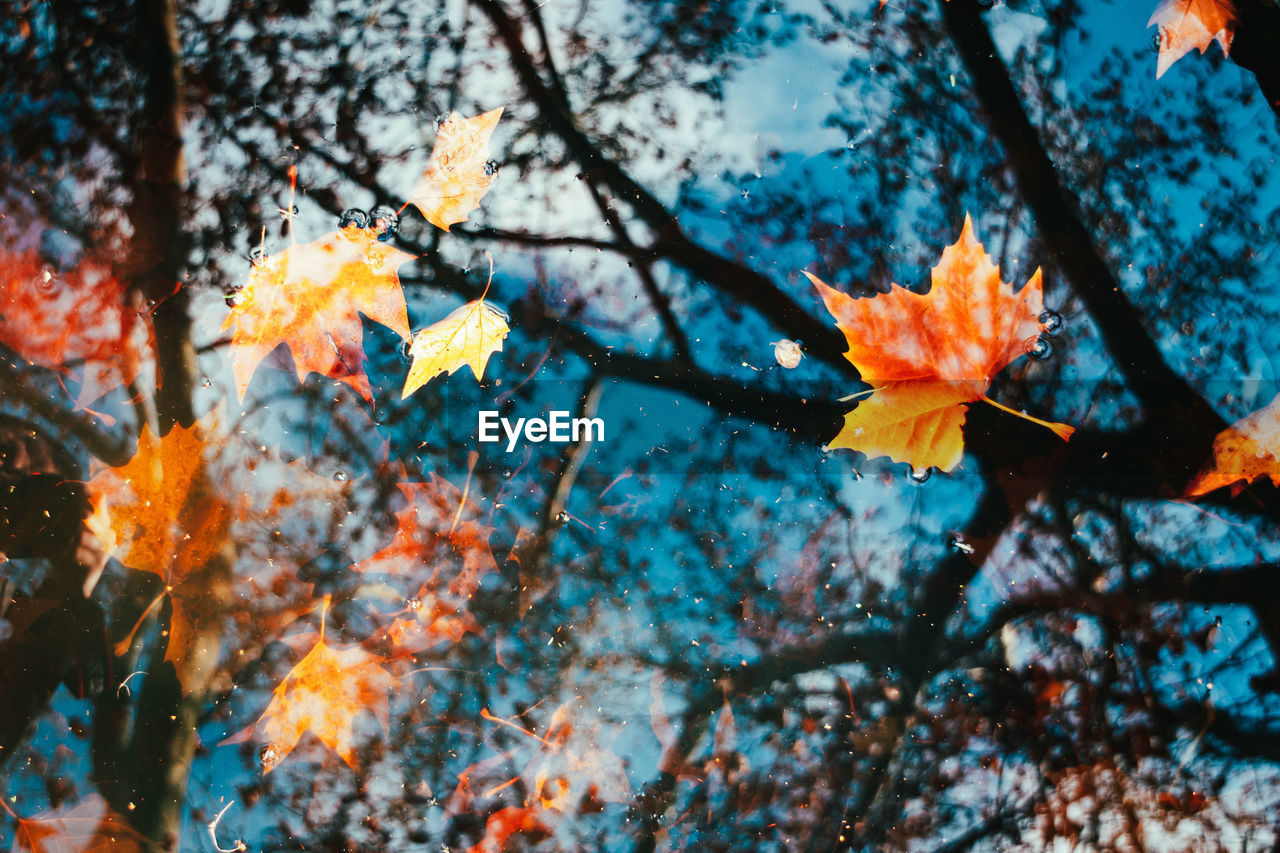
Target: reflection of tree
(1047, 676)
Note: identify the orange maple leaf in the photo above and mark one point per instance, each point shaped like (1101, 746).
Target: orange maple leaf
(77, 322)
(310, 297)
(929, 356)
(162, 514)
(438, 533)
(90, 827)
(1246, 450)
(322, 695)
(1184, 25)
(459, 174)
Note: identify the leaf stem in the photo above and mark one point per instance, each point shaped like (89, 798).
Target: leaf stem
(123, 646)
(857, 395)
(1062, 431)
(484, 712)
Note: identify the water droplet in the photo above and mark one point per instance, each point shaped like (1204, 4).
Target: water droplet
(47, 279)
(921, 476)
(256, 256)
(385, 222)
(268, 756)
(353, 217)
(1040, 350)
(490, 168)
(562, 516)
(787, 353)
(957, 544)
(1050, 322)
(340, 476)
(405, 351)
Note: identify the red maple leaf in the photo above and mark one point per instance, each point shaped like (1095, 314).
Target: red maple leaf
(77, 322)
(443, 546)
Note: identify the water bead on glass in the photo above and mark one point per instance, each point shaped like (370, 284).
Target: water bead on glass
(46, 280)
(1050, 322)
(385, 222)
(353, 217)
(1040, 350)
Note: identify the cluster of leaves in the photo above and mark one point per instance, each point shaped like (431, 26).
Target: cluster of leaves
(927, 357)
(164, 513)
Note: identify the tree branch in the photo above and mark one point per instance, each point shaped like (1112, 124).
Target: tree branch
(1178, 414)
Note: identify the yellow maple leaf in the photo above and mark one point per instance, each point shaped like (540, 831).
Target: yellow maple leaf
(460, 173)
(469, 335)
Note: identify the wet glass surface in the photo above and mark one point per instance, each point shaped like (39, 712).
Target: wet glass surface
(417, 431)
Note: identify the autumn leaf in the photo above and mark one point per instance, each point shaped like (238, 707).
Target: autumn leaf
(323, 694)
(1185, 25)
(572, 767)
(928, 356)
(469, 335)
(1246, 450)
(459, 174)
(438, 534)
(77, 322)
(161, 514)
(90, 827)
(568, 770)
(506, 822)
(310, 297)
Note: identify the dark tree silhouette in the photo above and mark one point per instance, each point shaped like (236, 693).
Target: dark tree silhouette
(707, 631)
